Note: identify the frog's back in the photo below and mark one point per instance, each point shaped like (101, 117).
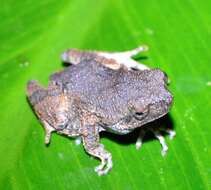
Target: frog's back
(105, 91)
(94, 84)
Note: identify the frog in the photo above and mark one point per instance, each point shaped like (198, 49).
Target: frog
(101, 91)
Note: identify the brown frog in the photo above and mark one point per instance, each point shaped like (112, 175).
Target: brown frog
(101, 91)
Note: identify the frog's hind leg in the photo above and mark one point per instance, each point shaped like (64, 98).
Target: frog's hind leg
(113, 60)
(75, 56)
(125, 58)
(94, 148)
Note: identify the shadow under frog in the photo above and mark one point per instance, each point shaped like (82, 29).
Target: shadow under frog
(165, 125)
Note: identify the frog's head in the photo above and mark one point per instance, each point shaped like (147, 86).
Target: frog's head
(50, 106)
(154, 99)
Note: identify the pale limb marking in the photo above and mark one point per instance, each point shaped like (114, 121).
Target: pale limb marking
(158, 135)
(78, 141)
(162, 141)
(140, 138)
(48, 131)
(125, 58)
(171, 133)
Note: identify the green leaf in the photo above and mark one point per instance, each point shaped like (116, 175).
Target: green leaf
(33, 34)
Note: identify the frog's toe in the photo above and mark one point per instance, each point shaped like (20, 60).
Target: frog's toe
(171, 132)
(140, 138)
(105, 166)
(100, 167)
(139, 144)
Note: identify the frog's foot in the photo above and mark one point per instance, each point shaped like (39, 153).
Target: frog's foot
(125, 58)
(158, 135)
(105, 166)
(106, 160)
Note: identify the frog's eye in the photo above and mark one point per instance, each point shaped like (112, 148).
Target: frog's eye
(141, 115)
(62, 126)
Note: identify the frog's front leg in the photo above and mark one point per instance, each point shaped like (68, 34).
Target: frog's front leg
(157, 132)
(92, 146)
(48, 131)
